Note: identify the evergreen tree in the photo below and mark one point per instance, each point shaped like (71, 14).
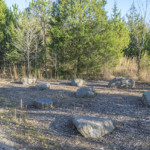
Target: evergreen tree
(120, 34)
(76, 31)
(12, 54)
(3, 36)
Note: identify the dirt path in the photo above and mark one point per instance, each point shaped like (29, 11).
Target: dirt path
(122, 105)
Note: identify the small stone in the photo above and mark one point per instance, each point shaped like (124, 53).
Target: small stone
(85, 92)
(43, 103)
(93, 127)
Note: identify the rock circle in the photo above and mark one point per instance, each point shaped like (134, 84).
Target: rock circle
(93, 127)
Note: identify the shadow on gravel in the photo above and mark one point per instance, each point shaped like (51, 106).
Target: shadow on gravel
(16, 82)
(6, 147)
(13, 95)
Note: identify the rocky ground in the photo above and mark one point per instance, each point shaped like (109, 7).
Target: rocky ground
(53, 129)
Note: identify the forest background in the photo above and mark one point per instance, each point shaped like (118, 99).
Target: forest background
(74, 38)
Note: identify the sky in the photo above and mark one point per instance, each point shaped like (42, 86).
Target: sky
(123, 5)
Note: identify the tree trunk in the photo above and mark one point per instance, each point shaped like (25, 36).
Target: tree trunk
(24, 69)
(78, 67)
(139, 64)
(4, 69)
(44, 38)
(55, 66)
(10, 68)
(15, 71)
(28, 63)
(35, 60)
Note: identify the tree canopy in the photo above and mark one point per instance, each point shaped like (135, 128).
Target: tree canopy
(69, 38)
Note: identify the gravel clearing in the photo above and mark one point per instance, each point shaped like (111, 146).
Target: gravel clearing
(124, 106)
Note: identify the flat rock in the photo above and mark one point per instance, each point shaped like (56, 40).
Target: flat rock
(93, 127)
(146, 98)
(85, 92)
(77, 82)
(43, 103)
(122, 83)
(43, 86)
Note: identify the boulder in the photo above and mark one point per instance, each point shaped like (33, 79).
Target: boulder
(122, 83)
(93, 127)
(77, 82)
(146, 98)
(34, 80)
(43, 103)
(28, 80)
(85, 92)
(43, 86)
(24, 81)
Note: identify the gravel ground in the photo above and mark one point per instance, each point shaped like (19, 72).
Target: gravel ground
(124, 106)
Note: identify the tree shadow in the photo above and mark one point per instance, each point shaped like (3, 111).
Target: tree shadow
(3, 146)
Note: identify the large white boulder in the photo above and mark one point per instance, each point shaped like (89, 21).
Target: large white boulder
(85, 92)
(146, 98)
(93, 127)
(122, 83)
(77, 82)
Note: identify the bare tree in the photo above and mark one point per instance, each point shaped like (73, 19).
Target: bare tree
(26, 35)
(141, 29)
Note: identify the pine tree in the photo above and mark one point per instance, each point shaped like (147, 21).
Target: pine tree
(76, 33)
(3, 20)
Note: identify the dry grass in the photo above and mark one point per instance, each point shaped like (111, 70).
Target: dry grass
(128, 68)
(15, 123)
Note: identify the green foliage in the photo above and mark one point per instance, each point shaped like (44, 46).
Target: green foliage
(84, 38)
(12, 54)
(3, 23)
(71, 38)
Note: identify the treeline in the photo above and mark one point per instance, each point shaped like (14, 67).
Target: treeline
(69, 38)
